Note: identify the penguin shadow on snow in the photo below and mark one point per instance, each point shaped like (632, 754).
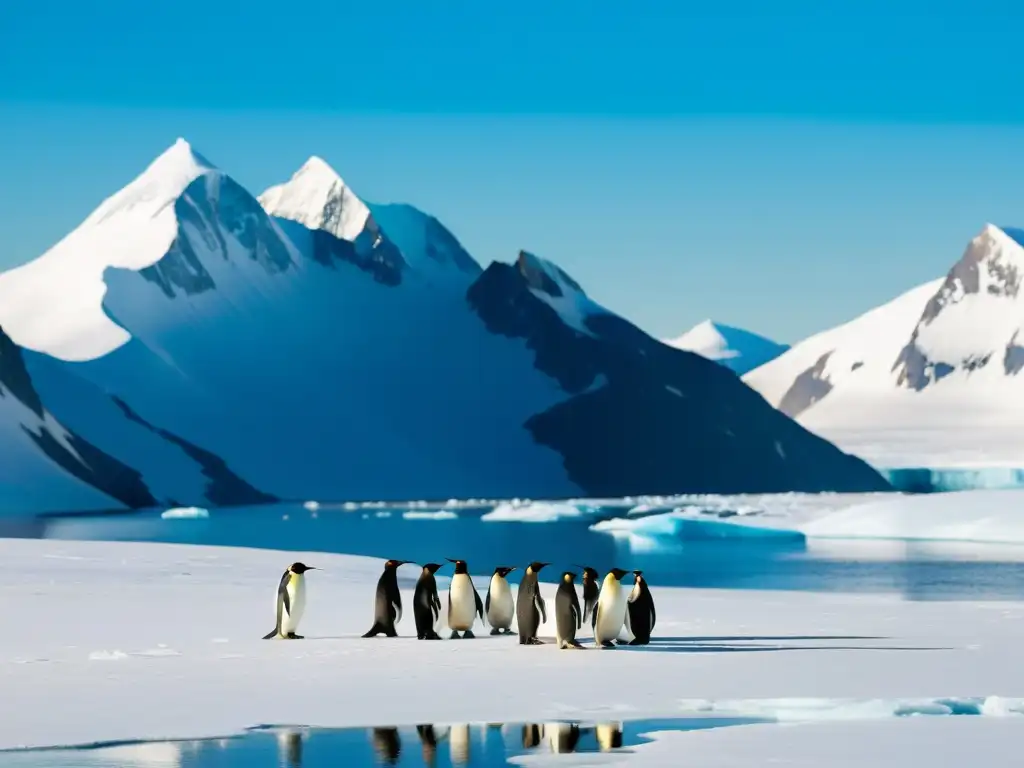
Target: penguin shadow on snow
(754, 644)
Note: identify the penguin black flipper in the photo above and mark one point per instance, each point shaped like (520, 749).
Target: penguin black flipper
(653, 615)
(487, 600)
(576, 610)
(283, 604)
(542, 608)
(282, 593)
(479, 604)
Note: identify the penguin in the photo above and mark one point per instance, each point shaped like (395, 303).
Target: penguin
(567, 613)
(530, 608)
(611, 614)
(463, 602)
(640, 610)
(426, 605)
(387, 610)
(498, 604)
(290, 602)
(590, 592)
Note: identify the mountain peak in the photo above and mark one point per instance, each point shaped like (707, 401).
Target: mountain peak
(317, 197)
(163, 181)
(735, 348)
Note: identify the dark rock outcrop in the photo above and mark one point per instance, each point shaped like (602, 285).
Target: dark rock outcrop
(643, 417)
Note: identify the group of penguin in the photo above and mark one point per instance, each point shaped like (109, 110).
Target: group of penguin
(609, 608)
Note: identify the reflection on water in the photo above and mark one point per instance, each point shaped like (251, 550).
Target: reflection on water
(432, 745)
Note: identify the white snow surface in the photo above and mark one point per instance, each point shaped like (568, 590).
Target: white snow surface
(735, 348)
(178, 653)
(873, 340)
(54, 303)
(317, 197)
(880, 743)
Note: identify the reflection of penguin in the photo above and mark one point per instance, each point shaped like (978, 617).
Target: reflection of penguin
(289, 749)
(567, 612)
(426, 605)
(290, 603)
(611, 609)
(562, 737)
(387, 745)
(498, 603)
(458, 743)
(609, 736)
(464, 602)
(590, 593)
(428, 740)
(530, 609)
(640, 609)
(531, 735)
(387, 605)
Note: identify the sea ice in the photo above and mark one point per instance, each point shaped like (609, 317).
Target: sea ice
(795, 656)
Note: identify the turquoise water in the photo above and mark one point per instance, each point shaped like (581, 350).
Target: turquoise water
(429, 746)
(696, 554)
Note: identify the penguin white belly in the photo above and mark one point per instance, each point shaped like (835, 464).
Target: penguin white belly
(502, 607)
(461, 603)
(297, 602)
(611, 613)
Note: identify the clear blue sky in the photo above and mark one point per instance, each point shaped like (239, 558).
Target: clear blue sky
(780, 166)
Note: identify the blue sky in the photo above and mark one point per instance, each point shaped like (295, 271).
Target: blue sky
(779, 166)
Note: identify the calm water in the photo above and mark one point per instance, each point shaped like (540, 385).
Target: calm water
(693, 556)
(432, 746)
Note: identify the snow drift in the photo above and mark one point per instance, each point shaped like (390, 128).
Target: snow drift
(228, 349)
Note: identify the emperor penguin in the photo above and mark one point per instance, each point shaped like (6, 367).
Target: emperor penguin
(426, 605)
(530, 608)
(387, 605)
(499, 604)
(290, 603)
(590, 592)
(611, 614)
(464, 602)
(640, 610)
(568, 617)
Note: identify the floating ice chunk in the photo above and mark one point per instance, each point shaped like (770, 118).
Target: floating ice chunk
(440, 514)
(184, 512)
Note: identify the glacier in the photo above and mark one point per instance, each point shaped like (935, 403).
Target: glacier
(224, 348)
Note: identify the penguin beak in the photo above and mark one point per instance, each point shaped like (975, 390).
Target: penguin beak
(450, 560)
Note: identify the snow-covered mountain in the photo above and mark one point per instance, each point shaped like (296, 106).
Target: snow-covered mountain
(930, 379)
(231, 349)
(738, 350)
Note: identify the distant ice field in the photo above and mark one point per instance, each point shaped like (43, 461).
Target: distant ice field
(967, 545)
